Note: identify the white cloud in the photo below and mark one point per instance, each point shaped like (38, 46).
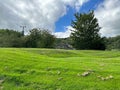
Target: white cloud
(75, 3)
(108, 14)
(34, 13)
(64, 34)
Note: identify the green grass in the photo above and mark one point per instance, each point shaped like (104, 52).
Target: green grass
(48, 69)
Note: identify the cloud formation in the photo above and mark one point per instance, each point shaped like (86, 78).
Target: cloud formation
(108, 14)
(34, 13)
(65, 34)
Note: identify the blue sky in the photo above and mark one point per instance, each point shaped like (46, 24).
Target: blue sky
(56, 15)
(66, 19)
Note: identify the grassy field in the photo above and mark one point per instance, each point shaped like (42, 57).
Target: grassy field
(45, 69)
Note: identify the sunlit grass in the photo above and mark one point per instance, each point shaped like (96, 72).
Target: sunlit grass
(49, 69)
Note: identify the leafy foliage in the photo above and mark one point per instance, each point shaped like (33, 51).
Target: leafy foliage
(113, 43)
(36, 38)
(40, 38)
(10, 38)
(86, 34)
(63, 43)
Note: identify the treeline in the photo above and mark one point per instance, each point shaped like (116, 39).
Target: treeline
(37, 38)
(113, 43)
(10, 38)
(84, 36)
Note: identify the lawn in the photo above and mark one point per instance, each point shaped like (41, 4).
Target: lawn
(50, 69)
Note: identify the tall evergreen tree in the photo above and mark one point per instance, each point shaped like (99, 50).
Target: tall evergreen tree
(86, 34)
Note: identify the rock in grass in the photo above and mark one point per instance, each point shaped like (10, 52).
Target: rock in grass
(85, 74)
(101, 68)
(90, 70)
(59, 89)
(111, 77)
(48, 69)
(102, 64)
(60, 78)
(102, 78)
(99, 76)
(78, 74)
(1, 81)
(1, 87)
(58, 72)
(107, 78)
(6, 67)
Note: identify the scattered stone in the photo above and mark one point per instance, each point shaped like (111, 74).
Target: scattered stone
(102, 78)
(58, 72)
(105, 78)
(48, 69)
(1, 81)
(59, 89)
(78, 75)
(85, 73)
(111, 77)
(1, 88)
(6, 67)
(60, 78)
(51, 72)
(101, 68)
(102, 65)
(99, 76)
(90, 71)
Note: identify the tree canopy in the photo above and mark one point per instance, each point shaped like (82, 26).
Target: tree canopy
(86, 34)
(36, 38)
(10, 38)
(40, 38)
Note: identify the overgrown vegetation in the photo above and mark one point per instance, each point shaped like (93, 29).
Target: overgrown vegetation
(40, 38)
(84, 36)
(43, 39)
(113, 43)
(36, 38)
(10, 38)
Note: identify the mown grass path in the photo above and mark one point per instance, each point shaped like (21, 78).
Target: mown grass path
(49, 69)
